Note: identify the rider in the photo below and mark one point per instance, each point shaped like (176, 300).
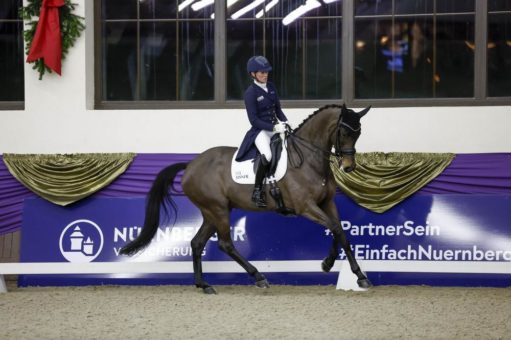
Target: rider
(266, 117)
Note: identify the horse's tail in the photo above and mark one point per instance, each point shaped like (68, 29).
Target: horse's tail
(158, 196)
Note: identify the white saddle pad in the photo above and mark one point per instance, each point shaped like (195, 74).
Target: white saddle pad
(243, 172)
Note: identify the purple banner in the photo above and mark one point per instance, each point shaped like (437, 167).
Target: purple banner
(467, 174)
(448, 228)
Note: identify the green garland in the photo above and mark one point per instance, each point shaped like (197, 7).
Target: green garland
(71, 27)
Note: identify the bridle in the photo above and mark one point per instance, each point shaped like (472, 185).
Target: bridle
(339, 152)
(326, 154)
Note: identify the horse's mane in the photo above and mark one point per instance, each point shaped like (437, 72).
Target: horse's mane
(329, 106)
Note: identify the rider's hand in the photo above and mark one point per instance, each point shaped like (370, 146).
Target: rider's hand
(288, 126)
(279, 127)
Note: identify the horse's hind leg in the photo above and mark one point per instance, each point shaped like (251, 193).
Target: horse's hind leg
(221, 221)
(198, 243)
(226, 245)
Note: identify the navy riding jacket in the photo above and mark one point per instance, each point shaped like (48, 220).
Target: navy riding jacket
(263, 110)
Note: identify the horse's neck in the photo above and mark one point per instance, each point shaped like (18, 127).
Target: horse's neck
(319, 129)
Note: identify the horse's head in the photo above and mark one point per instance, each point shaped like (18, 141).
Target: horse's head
(347, 131)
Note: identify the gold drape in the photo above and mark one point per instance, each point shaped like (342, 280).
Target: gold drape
(64, 179)
(382, 180)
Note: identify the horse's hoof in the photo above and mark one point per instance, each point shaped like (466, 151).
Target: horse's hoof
(327, 265)
(262, 284)
(209, 290)
(364, 283)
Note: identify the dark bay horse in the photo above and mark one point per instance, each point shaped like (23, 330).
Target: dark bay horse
(308, 188)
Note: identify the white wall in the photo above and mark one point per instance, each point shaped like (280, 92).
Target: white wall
(56, 119)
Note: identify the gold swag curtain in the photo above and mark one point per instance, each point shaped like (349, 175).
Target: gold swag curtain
(382, 180)
(64, 179)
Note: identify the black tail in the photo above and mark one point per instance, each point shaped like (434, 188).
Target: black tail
(158, 196)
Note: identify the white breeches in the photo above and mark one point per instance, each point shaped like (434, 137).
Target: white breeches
(262, 143)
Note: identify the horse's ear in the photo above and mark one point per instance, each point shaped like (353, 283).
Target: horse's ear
(364, 111)
(344, 108)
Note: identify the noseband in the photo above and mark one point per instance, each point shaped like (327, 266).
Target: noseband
(340, 152)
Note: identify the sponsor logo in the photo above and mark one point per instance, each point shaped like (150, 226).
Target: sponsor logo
(81, 241)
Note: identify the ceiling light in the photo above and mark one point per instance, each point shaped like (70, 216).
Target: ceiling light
(298, 12)
(201, 4)
(246, 9)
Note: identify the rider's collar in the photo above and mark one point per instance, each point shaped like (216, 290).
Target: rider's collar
(261, 85)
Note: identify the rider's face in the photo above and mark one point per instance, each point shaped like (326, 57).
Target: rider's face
(261, 76)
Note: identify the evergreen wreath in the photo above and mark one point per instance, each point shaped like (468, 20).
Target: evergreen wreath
(71, 26)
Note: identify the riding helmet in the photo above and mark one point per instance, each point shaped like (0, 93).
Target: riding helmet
(258, 63)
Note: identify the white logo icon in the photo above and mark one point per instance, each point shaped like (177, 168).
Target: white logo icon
(81, 241)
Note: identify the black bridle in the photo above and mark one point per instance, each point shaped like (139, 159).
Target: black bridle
(326, 154)
(340, 152)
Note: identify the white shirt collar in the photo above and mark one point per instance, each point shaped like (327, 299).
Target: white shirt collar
(261, 85)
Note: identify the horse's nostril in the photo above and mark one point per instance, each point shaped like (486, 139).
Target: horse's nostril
(349, 169)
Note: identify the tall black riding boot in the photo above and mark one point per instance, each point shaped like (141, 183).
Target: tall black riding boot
(277, 196)
(259, 196)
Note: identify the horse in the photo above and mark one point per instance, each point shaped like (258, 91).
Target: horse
(308, 188)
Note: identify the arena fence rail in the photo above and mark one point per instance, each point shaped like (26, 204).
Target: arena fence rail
(346, 280)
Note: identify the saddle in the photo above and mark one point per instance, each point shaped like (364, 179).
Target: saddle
(244, 172)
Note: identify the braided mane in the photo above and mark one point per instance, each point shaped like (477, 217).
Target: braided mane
(329, 106)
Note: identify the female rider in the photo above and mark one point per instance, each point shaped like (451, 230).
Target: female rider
(266, 117)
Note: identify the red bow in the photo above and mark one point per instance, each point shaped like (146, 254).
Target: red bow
(47, 42)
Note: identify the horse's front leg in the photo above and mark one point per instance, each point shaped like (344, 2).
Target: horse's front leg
(329, 261)
(329, 218)
(331, 211)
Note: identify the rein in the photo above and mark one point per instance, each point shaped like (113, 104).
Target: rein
(312, 147)
(326, 154)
